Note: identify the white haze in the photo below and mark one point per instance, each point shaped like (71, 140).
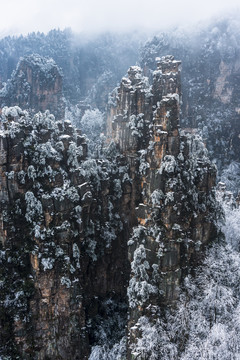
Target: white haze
(93, 16)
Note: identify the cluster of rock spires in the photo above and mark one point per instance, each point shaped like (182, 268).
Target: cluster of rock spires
(172, 188)
(210, 85)
(77, 233)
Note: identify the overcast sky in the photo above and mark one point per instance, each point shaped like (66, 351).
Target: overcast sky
(24, 16)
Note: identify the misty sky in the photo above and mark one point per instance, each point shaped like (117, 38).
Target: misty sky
(23, 16)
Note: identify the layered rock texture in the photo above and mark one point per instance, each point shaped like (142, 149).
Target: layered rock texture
(59, 218)
(210, 83)
(172, 195)
(40, 290)
(36, 84)
(82, 238)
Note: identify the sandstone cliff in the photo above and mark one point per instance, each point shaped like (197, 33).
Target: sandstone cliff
(62, 237)
(41, 292)
(36, 84)
(210, 82)
(172, 189)
(82, 238)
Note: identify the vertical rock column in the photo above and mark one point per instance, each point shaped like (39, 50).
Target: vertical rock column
(41, 299)
(128, 125)
(173, 179)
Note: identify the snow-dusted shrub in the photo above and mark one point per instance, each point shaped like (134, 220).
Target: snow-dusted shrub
(156, 197)
(76, 255)
(168, 165)
(31, 172)
(117, 188)
(91, 248)
(33, 208)
(138, 235)
(169, 197)
(74, 154)
(47, 263)
(15, 112)
(65, 281)
(136, 125)
(105, 352)
(21, 176)
(143, 166)
(46, 120)
(140, 288)
(72, 194)
(78, 212)
(108, 234)
(154, 342)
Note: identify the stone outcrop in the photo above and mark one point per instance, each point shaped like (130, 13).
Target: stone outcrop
(60, 237)
(80, 236)
(41, 294)
(210, 84)
(172, 188)
(36, 85)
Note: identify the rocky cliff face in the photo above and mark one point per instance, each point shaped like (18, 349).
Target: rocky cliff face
(82, 238)
(210, 82)
(61, 236)
(36, 84)
(172, 189)
(41, 292)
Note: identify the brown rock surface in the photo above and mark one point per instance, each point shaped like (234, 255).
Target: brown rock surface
(63, 244)
(36, 85)
(72, 226)
(172, 187)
